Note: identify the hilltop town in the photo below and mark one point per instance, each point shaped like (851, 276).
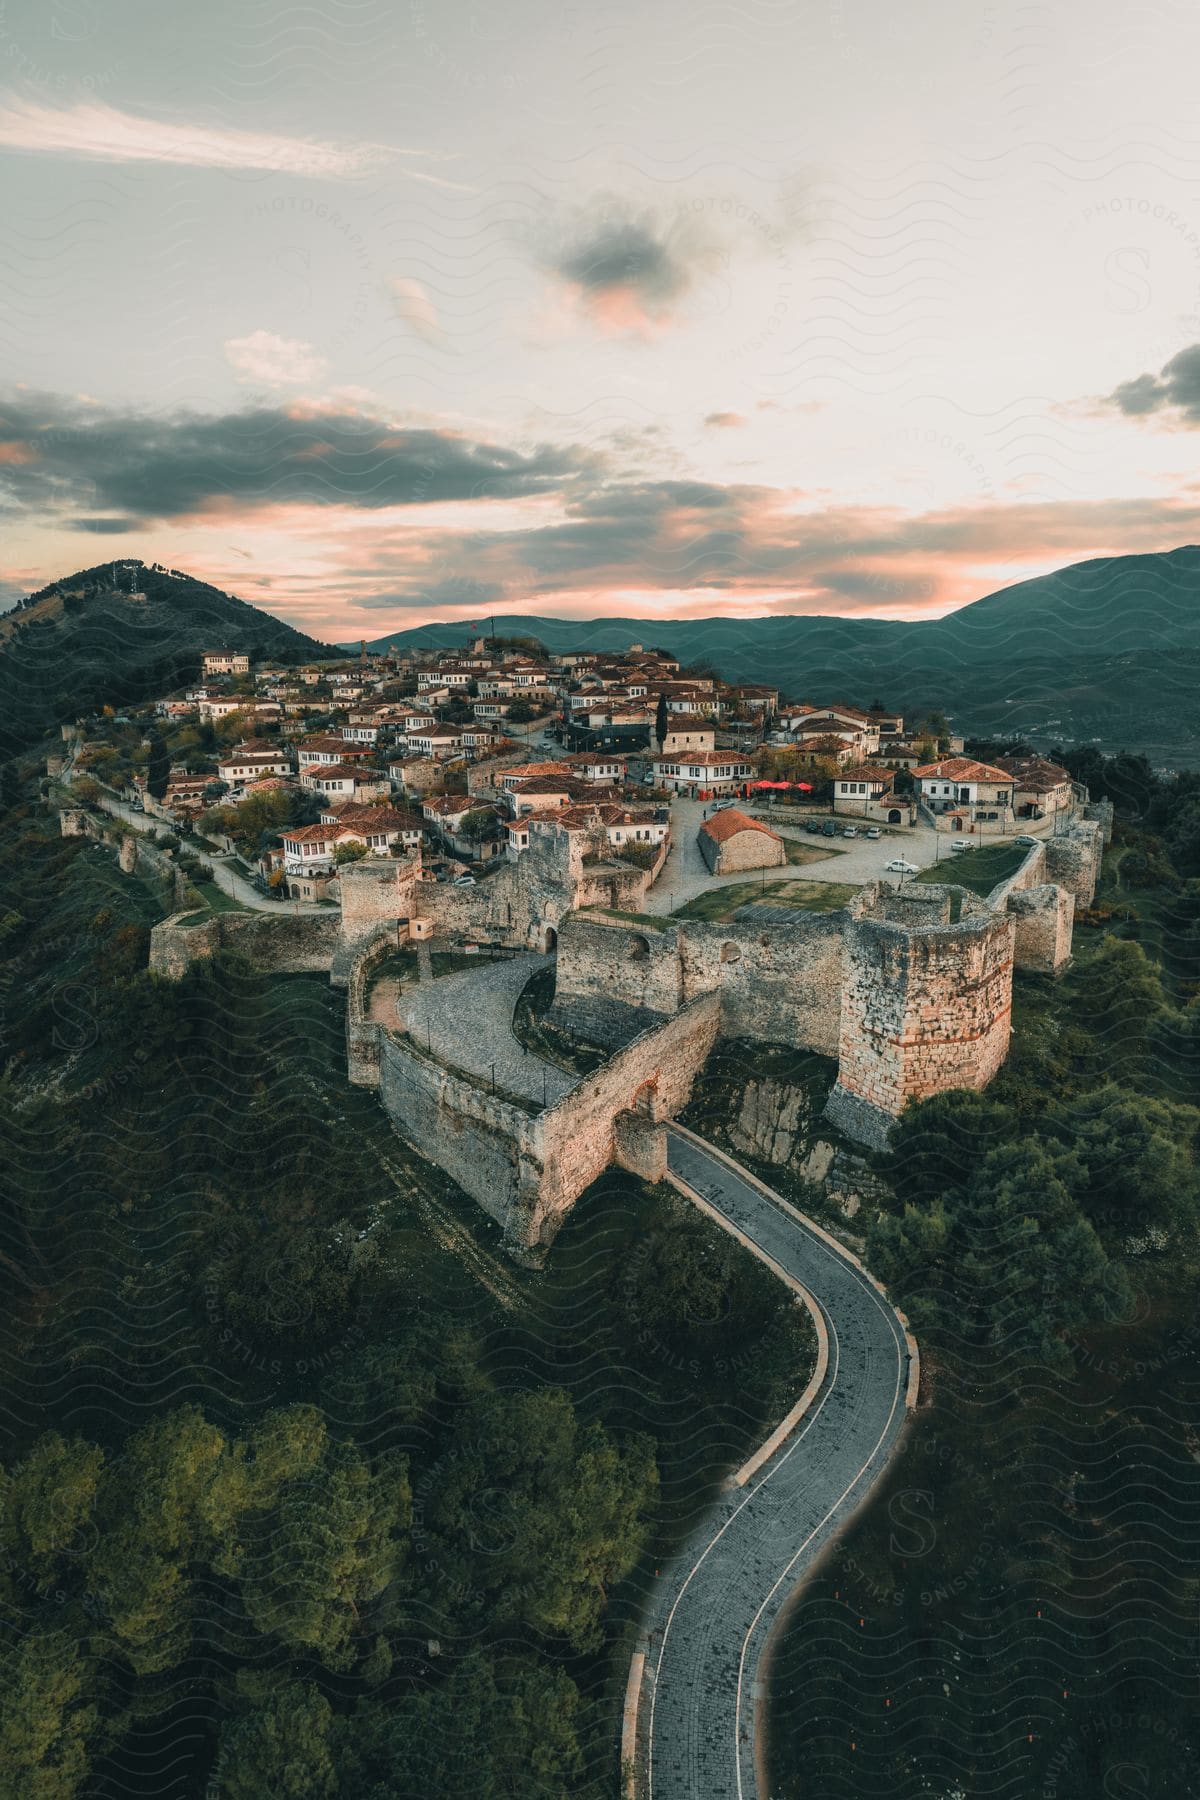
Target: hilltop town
(685, 859)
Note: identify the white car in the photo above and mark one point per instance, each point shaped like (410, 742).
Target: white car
(898, 866)
(464, 881)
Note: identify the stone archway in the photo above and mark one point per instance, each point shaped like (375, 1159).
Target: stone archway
(549, 939)
(956, 825)
(645, 1100)
(894, 816)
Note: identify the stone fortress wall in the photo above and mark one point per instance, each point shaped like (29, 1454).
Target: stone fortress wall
(276, 944)
(926, 1003)
(527, 1165)
(777, 983)
(910, 989)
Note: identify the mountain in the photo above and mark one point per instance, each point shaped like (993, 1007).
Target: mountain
(1106, 650)
(121, 633)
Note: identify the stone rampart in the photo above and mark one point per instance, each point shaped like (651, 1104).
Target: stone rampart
(276, 943)
(484, 1143)
(1031, 873)
(1044, 918)
(777, 981)
(527, 1168)
(576, 1138)
(922, 1010)
(1073, 858)
(362, 1034)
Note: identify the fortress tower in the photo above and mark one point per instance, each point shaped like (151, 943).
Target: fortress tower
(926, 1003)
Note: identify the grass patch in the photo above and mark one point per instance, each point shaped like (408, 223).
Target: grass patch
(719, 904)
(217, 899)
(644, 921)
(799, 853)
(978, 870)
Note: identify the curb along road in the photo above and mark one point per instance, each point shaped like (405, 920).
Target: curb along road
(718, 1603)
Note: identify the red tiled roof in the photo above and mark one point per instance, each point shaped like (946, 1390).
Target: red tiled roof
(727, 824)
(704, 759)
(962, 768)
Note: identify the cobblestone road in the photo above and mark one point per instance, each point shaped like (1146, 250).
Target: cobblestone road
(718, 1602)
(466, 1021)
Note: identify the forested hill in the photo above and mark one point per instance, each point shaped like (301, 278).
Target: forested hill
(120, 633)
(1104, 651)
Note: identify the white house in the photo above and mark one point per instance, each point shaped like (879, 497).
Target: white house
(702, 772)
(252, 765)
(966, 794)
(225, 662)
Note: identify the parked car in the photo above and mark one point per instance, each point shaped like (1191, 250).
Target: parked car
(829, 829)
(849, 830)
(960, 846)
(814, 826)
(464, 881)
(873, 831)
(898, 866)
(1029, 842)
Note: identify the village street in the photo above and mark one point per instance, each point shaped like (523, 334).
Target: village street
(225, 876)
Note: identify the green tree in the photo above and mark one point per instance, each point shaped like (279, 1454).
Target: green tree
(50, 1722)
(1118, 997)
(281, 1748)
(349, 852)
(158, 766)
(1136, 1160)
(47, 1506)
(489, 1731)
(325, 1552)
(660, 721)
(543, 1515)
(154, 1532)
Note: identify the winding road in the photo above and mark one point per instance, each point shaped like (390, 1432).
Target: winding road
(718, 1603)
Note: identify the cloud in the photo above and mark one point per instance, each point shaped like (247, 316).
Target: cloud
(411, 302)
(151, 466)
(1175, 388)
(638, 270)
(627, 270)
(273, 361)
(724, 421)
(98, 133)
(104, 527)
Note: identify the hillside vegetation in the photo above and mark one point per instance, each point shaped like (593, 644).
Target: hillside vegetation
(1106, 650)
(120, 633)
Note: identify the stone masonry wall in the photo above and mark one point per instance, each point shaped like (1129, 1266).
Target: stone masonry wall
(613, 979)
(363, 1036)
(278, 944)
(482, 1142)
(778, 982)
(528, 1169)
(576, 1137)
(921, 1012)
(1044, 918)
(376, 891)
(1073, 859)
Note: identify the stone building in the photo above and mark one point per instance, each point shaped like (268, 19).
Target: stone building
(731, 840)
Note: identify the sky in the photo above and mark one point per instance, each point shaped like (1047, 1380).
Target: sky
(374, 314)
